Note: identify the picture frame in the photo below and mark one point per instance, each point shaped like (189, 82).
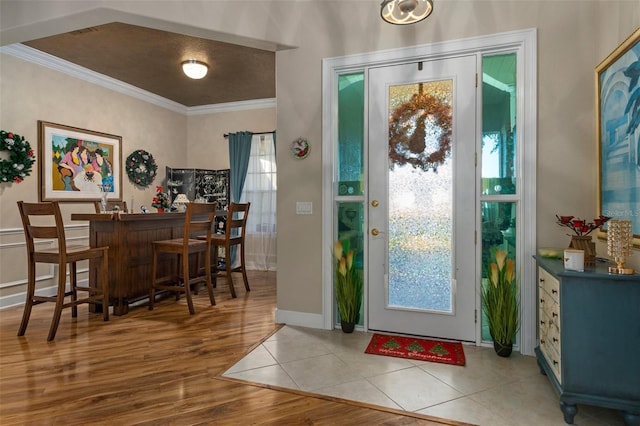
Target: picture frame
(618, 134)
(78, 164)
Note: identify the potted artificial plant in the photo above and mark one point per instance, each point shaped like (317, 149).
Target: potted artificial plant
(500, 301)
(348, 285)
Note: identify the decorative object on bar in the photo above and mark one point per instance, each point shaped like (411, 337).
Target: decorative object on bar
(195, 69)
(404, 12)
(21, 158)
(180, 203)
(161, 200)
(141, 168)
(580, 239)
(105, 188)
(619, 244)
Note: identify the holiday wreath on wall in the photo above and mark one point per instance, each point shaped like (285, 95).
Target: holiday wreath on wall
(408, 127)
(141, 168)
(21, 158)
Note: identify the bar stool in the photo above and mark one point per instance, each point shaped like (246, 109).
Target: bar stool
(197, 223)
(234, 236)
(49, 226)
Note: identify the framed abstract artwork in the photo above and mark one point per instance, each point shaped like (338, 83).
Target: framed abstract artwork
(77, 164)
(618, 133)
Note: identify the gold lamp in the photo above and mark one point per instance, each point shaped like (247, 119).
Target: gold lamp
(619, 243)
(404, 12)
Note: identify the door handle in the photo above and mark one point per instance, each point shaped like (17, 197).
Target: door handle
(375, 203)
(375, 232)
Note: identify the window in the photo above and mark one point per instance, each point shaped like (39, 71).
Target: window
(260, 189)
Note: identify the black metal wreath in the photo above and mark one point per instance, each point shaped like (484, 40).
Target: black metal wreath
(407, 132)
(21, 158)
(141, 168)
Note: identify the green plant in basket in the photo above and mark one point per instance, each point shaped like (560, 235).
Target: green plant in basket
(500, 300)
(348, 283)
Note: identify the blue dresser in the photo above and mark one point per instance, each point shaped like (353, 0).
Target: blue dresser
(589, 331)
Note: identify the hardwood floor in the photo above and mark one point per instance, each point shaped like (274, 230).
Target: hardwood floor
(160, 367)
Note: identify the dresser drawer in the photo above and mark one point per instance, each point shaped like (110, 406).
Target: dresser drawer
(549, 284)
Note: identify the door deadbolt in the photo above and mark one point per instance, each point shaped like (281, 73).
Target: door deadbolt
(375, 203)
(375, 232)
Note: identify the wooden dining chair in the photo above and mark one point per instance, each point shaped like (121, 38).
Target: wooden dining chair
(42, 223)
(122, 206)
(234, 236)
(197, 223)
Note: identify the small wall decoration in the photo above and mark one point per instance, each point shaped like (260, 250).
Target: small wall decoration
(21, 158)
(141, 168)
(618, 133)
(300, 148)
(77, 164)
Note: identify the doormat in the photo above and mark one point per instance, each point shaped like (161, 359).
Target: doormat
(420, 349)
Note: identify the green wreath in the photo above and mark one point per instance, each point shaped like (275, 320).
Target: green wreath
(21, 158)
(407, 128)
(141, 168)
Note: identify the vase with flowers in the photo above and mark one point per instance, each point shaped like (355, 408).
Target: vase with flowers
(500, 301)
(580, 238)
(348, 285)
(161, 200)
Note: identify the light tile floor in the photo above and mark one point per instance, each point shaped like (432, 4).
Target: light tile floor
(488, 390)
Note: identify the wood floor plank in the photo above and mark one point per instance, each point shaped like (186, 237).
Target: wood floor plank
(160, 367)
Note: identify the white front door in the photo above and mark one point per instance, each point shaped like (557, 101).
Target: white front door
(421, 201)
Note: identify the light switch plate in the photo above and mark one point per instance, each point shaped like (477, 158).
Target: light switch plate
(304, 207)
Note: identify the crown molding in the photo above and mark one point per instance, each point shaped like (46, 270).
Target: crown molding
(46, 60)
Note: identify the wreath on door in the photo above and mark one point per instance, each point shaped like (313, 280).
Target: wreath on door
(407, 132)
(21, 158)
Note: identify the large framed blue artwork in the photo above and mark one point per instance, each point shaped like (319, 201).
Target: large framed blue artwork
(618, 133)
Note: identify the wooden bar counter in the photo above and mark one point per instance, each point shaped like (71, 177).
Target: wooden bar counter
(129, 237)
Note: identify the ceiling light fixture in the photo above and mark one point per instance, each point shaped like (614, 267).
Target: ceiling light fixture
(195, 69)
(404, 12)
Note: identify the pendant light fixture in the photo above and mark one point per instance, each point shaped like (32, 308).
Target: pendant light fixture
(404, 12)
(195, 69)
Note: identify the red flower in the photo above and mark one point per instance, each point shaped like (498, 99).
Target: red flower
(579, 226)
(17, 179)
(30, 153)
(10, 135)
(565, 219)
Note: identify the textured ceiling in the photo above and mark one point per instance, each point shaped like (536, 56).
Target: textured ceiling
(150, 59)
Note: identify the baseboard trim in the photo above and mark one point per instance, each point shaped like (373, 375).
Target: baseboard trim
(301, 319)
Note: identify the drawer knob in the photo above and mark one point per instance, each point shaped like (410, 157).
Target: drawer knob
(542, 300)
(553, 314)
(542, 322)
(555, 340)
(555, 362)
(554, 291)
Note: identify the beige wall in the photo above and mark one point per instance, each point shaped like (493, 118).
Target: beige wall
(573, 37)
(208, 148)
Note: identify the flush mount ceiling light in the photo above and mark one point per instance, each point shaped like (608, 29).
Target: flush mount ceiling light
(404, 12)
(195, 69)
